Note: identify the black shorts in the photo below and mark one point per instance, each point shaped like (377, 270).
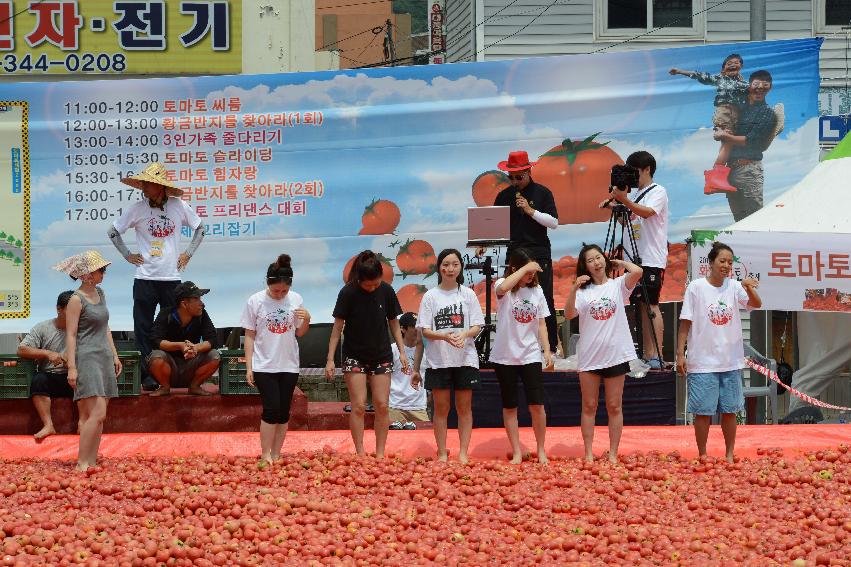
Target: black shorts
(355, 366)
(611, 371)
(532, 376)
(458, 378)
(652, 280)
(52, 384)
(183, 370)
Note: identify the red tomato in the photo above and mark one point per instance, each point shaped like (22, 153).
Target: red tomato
(578, 173)
(488, 185)
(380, 217)
(410, 296)
(416, 257)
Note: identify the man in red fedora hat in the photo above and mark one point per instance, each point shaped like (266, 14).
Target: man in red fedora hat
(157, 220)
(533, 211)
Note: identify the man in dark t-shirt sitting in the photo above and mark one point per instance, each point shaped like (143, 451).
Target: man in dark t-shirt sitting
(533, 211)
(185, 342)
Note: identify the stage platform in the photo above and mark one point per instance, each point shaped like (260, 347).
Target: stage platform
(179, 412)
(647, 401)
(485, 444)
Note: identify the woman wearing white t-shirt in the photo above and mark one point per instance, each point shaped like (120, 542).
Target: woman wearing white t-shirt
(450, 318)
(521, 334)
(711, 324)
(605, 344)
(272, 320)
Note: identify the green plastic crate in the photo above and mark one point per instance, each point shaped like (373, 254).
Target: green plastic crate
(15, 380)
(232, 374)
(130, 379)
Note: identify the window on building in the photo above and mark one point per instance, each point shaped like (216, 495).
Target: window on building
(833, 14)
(617, 19)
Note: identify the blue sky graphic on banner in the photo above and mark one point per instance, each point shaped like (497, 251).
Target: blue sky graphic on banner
(292, 162)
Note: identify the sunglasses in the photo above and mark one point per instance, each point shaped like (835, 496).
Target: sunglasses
(517, 176)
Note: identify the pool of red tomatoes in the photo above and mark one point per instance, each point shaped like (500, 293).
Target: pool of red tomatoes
(326, 508)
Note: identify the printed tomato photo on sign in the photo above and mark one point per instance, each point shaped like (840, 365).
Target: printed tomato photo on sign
(578, 173)
(380, 217)
(410, 296)
(416, 257)
(386, 268)
(487, 186)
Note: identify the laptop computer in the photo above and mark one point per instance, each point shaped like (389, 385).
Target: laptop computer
(488, 226)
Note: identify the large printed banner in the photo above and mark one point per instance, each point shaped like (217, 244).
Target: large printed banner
(796, 272)
(324, 165)
(40, 37)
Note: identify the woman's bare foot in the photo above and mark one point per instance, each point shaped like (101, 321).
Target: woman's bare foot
(81, 467)
(197, 391)
(613, 458)
(443, 457)
(45, 431)
(589, 457)
(542, 458)
(162, 391)
(463, 458)
(516, 458)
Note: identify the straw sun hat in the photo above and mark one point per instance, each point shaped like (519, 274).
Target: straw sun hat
(154, 173)
(81, 264)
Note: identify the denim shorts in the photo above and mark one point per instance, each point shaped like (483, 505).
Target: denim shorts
(715, 392)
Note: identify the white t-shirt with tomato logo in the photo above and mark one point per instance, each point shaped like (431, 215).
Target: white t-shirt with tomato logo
(715, 337)
(446, 311)
(158, 235)
(274, 322)
(651, 234)
(604, 337)
(516, 341)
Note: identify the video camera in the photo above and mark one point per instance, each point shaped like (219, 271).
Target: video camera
(624, 176)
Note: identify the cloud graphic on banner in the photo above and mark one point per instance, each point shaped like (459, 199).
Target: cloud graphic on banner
(427, 109)
(48, 186)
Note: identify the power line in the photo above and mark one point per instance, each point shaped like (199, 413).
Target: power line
(327, 45)
(365, 47)
(21, 12)
(668, 25)
(354, 4)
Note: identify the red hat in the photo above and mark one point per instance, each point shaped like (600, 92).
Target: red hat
(517, 161)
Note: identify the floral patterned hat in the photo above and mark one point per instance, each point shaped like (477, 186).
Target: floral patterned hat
(81, 264)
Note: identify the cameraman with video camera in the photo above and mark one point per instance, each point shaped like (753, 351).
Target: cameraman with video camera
(648, 213)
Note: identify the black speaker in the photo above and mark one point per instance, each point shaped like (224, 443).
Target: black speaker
(313, 347)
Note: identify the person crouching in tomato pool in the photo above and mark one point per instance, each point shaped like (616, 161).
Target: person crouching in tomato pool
(711, 324)
(186, 343)
(533, 211)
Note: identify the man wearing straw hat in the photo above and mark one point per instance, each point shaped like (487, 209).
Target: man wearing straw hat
(157, 220)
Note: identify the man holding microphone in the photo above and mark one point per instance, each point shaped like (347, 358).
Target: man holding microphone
(533, 211)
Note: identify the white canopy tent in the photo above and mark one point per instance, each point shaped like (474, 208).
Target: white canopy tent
(819, 203)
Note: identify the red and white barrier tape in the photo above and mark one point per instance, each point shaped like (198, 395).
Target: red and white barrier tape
(809, 399)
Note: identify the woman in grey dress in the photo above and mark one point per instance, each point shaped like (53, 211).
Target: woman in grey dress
(93, 363)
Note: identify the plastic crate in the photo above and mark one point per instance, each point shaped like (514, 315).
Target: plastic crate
(130, 379)
(15, 377)
(232, 374)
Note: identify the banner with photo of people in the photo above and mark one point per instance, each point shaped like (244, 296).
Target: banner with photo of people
(324, 165)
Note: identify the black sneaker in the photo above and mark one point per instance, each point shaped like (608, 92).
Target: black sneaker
(396, 425)
(150, 385)
(409, 425)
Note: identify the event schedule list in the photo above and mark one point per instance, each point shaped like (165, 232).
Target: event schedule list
(221, 156)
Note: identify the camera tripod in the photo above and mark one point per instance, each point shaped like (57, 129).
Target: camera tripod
(614, 248)
(483, 340)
